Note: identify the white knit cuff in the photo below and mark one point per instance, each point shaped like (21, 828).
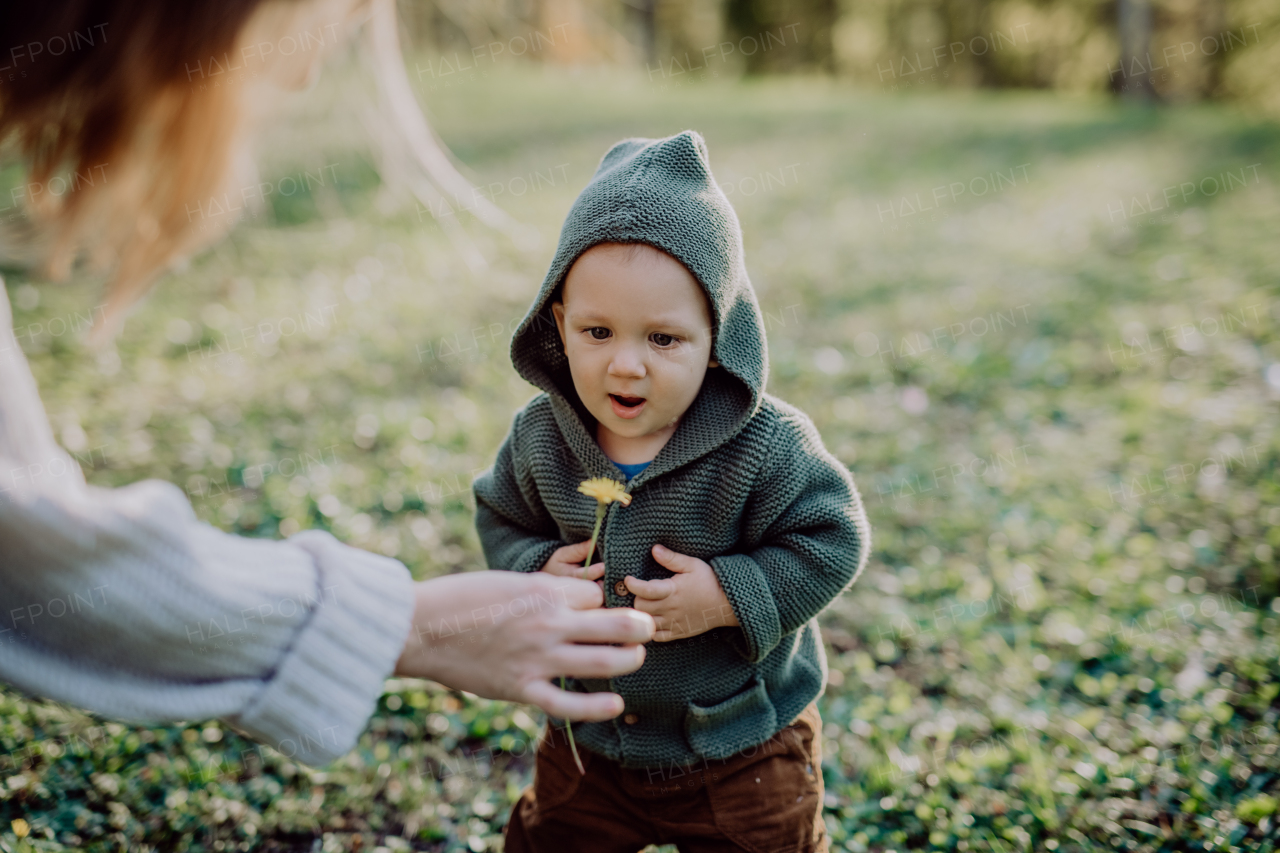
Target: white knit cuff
(321, 696)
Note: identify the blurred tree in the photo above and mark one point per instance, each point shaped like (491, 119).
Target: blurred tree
(1207, 18)
(1174, 50)
(485, 33)
(782, 35)
(645, 14)
(1133, 19)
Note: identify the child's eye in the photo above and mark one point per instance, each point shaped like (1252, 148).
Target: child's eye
(663, 340)
(599, 333)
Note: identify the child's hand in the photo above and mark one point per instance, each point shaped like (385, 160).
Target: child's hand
(686, 605)
(567, 563)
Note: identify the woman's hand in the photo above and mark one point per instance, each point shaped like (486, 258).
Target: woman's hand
(505, 635)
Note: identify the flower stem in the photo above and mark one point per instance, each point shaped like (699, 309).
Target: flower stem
(595, 534)
(572, 746)
(591, 549)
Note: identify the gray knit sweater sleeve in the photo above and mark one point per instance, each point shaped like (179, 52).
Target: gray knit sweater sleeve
(516, 531)
(807, 535)
(122, 602)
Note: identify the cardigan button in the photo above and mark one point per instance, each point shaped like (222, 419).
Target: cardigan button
(620, 589)
(630, 719)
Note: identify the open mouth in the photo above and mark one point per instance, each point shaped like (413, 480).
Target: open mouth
(626, 407)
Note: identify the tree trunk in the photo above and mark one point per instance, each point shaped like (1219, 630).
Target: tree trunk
(646, 14)
(1134, 21)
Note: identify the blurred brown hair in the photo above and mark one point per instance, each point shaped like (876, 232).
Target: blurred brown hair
(123, 94)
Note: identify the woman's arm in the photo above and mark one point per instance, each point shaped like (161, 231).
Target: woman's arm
(122, 602)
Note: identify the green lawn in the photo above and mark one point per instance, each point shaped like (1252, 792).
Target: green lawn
(1054, 399)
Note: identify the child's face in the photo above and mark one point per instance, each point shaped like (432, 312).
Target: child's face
(638, 336)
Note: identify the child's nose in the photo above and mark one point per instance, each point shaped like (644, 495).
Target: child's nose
(628, 363)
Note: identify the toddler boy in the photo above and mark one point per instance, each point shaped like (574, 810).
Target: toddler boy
(649, 345)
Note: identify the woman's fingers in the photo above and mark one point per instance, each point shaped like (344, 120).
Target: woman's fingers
(654, 590)
(577, 593)
(612, 625)
(527, 627)
(587, 661)
(572, 706)
(590, 573)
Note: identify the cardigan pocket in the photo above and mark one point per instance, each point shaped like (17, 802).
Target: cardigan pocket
(740, 722)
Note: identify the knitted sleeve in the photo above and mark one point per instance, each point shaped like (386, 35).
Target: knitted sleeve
(807, 537)
(516, 532)
(122, 602)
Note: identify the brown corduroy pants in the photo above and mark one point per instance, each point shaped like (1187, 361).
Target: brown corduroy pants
(766, 799)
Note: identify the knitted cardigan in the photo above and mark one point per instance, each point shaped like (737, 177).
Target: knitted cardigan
(744, 483)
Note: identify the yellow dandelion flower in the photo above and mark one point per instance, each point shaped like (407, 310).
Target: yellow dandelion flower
(20, 828)
(605, 490)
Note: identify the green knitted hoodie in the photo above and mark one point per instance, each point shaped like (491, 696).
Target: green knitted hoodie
(744, 483)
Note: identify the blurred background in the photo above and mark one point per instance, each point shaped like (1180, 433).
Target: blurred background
(1018, 261)
(1175, 51)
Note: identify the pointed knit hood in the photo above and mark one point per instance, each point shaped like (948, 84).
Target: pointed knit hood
(660, 192)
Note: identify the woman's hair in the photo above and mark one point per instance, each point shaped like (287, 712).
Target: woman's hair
(132, 113)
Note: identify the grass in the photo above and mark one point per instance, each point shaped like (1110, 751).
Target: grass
(1061, 411)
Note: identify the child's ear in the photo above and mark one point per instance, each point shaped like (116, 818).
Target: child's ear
(557, 308)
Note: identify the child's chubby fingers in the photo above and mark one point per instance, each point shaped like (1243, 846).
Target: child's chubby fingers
(656, 609)
(669, 627)
(573, 570)
(654, 590)
(661, 624)
(566, 562)
(653, 608)
(675, 561)
(575, 553)
(668, 623)
(588, 573)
